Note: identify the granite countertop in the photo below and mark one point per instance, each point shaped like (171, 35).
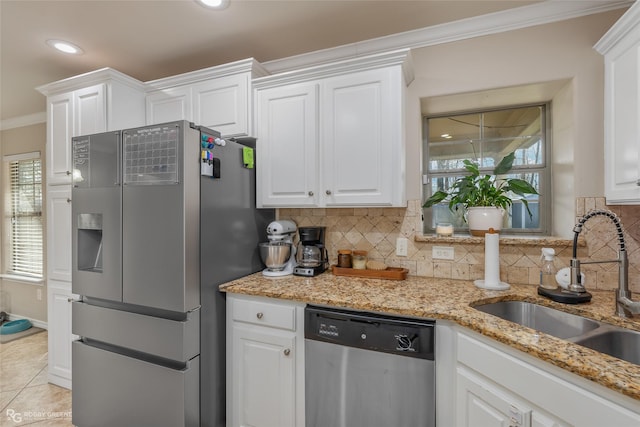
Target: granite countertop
(453, 300)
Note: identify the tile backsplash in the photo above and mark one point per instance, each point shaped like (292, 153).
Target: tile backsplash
(376, 230)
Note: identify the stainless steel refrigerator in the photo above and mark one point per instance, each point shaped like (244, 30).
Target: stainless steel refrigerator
(162, 215)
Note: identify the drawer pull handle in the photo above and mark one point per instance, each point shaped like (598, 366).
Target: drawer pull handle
(638, 183)
(287, 351)
(259, 315)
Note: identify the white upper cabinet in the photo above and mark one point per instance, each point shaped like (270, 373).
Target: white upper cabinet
(216, 97)
(287, 126)
(362, 150)
(95, 102)
(168, 105)
(90, 110)
(333, 135)
(621, 49)
(59, 130)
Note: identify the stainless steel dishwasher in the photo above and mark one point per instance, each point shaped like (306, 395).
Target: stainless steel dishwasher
(368, 370)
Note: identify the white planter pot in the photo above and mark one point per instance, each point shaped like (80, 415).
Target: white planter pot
(481, 219)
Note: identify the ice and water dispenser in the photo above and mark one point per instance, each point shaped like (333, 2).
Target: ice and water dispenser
(89, 241)
(96, 213)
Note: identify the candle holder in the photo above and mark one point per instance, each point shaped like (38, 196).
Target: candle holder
(444, 229)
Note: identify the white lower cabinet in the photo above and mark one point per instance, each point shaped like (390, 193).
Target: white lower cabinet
(265, 362)
(498, 386)
(59, 299)
(483, 403)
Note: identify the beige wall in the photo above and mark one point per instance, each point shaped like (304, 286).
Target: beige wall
(561, 51)
(19, 298)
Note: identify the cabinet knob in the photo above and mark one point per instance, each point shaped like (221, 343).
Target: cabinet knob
(328, 192)
(310, 193)
(68, 173)
(638, 183)
(259, 315)
(68, 200)
(287, 351)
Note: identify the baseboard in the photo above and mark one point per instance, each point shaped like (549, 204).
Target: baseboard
(34, 322)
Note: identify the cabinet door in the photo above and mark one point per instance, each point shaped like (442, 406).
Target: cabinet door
(59, 233)
(360, 116)
(90, 110)
(223, 104)
(169, 105)
(480, 403)
(622, 122)
(59, 329)
(287, 145)
(59, 133)
(263, 377)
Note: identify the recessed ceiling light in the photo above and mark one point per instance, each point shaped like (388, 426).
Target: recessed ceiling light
(446, 136)
(65, 47)
(214, 4)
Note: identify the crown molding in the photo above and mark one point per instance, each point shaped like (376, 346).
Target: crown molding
(102, 75)
(237, 67)
(401, 57)
(508, 20)
(622, 27)
(21, 121)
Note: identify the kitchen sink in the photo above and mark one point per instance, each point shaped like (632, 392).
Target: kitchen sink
(541, 318)
(613, 340)
(617, 342)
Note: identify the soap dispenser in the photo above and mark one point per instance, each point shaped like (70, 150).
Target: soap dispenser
(548, 269)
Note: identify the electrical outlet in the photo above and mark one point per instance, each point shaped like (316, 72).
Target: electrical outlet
(442, 252)
(39, 294)
(402, 244)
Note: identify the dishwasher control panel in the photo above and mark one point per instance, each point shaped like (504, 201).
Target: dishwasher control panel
(407, 337)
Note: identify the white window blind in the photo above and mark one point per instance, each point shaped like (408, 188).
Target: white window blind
(25, 181)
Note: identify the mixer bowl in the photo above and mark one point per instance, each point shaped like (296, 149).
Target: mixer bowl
(275, 254)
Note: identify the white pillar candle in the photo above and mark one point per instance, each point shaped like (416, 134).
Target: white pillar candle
(444, 230)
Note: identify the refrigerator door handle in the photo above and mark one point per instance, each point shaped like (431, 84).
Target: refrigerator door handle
(194, 310)
(118, 161)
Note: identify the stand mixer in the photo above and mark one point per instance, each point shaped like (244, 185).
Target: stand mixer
(279, 253)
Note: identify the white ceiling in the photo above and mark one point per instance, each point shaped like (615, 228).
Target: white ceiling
(151, 39)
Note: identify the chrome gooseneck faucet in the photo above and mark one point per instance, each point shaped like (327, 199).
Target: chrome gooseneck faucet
(625, 307)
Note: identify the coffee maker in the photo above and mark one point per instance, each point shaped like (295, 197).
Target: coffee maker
(311, 255)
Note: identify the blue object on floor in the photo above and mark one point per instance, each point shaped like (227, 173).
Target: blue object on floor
(15, 326)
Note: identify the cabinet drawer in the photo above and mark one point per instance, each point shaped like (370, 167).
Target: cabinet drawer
(264, 313)
(112, 389)
(171, 339)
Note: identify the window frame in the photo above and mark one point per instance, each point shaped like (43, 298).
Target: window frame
(545, 171)
(29, 269)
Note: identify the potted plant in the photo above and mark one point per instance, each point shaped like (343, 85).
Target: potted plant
(484, 197)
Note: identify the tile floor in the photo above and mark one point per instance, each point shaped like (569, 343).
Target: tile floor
(26, 398)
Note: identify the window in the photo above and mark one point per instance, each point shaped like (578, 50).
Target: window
(486, 137)
(25, 215)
